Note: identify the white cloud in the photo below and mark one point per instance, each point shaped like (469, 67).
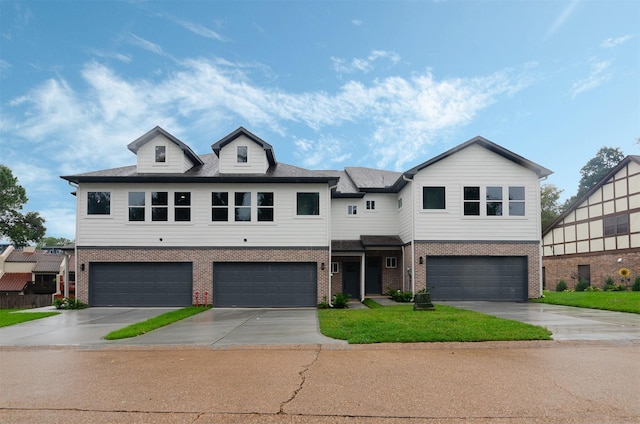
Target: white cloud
(597, 76)
(363, 65)
(324, 153)
(357, 22)
(613, 42)
(201, 30)
(4, 67)
(146, 44)
(562, 18)
(113, 55)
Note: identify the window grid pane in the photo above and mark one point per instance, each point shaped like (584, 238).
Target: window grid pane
(308, 204)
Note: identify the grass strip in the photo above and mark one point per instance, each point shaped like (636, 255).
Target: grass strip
(372, 304)
(619, 301)
(12, 316)
(401, 324)
(151, 324)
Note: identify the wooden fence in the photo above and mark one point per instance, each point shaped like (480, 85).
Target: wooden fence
(15, 300)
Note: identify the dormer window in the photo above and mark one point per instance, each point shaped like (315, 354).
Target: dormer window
(242, 154)
(161, 154)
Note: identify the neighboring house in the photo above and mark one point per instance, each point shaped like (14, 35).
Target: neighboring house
(30, 271)
(238, 228)
(599, 234)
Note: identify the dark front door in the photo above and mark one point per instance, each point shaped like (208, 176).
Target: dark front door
(373, 276)
(584, 273)
(351, 279)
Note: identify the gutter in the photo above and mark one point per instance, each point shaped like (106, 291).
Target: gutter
(413, 233)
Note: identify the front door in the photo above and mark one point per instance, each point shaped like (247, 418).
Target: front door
(351, 279)
(373, 276)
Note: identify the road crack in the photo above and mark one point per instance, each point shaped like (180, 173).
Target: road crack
(303, 379)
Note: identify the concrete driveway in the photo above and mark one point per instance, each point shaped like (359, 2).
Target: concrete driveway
(215, 327)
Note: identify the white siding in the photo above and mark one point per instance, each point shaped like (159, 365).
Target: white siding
(175, 162)
(476, 166)
(405, 213)
(383, 220)
(287, 229)
(257, 162)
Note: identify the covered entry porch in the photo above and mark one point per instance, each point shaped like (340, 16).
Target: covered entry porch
(367, 267)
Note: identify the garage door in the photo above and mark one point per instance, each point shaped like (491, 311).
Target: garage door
(501, 278)
(140, 284)
(264, 284)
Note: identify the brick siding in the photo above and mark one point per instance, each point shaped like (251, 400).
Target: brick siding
(202, 260)
(391, 277)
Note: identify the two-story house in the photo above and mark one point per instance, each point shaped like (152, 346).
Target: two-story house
(237, 228)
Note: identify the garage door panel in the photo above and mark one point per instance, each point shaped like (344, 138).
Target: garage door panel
(140, 284)
(262, 284)
(477, 277)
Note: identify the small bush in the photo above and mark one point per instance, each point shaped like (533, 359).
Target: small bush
(67, 303)
(582, 285)
(592, 289)
(324, 304)
(636, 284)
(616, 287)
(341, 301)
(608, 284)
(402, 296)
(561, 286)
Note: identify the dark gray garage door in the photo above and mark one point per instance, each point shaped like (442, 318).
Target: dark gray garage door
(502, 278)
(264, 284)
(140, 284)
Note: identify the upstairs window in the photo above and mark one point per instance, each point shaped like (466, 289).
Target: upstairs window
(371, 205)
(161, 154)
(308, 204)
(616, 225)
(182, 204)
(159, 206)
(219, 206)
(265, 207)
(352, 210)
(494, 201)
(136, 206)
(433, 198)
(99, 203)
(472, 201)
(516, 201)
(243, 155)
(242, 206)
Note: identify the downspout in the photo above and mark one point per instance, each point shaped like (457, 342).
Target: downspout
(329, 239)
(75, 248)
(413, 233)
(539, 230)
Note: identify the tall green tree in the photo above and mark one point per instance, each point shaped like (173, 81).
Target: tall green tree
(53, 241)
(18, 227)
(550, 208)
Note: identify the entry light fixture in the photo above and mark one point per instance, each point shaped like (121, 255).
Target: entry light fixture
(322, 266)
(421, 260)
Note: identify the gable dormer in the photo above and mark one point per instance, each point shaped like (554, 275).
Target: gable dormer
(158, 152)
(242, 152)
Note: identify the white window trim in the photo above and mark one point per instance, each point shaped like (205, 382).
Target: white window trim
(393, 260)
(483, 202)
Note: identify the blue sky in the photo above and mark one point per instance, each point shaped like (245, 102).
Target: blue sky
(328, 83)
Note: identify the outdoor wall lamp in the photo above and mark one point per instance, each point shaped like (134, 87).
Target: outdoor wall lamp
(322, 266)
(82, 267)
(421, 260)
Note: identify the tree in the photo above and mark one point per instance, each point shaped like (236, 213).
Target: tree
(18, 227)
(604, 161)
(549, 207)
(54, 241)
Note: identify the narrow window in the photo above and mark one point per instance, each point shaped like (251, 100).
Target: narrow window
(472, 201)
(308, 204)
(161, 154)
(400, 203)
(335, 267)
(392, 262)
(242, 154)
(265, 207)
(159, 206)
(182, 203)
(494, 201)
(371, 205)
(219, 206)
(99, 203)
(243, 206)
(136, 206)
(433, 198)
(516, 201)
(352, 210)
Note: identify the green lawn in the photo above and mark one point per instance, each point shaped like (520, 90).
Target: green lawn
(7, 317)
(143, 327)
(401, 324)
(620, 301)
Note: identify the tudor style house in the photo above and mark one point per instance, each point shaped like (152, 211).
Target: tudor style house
(237, 228)
(599, 234)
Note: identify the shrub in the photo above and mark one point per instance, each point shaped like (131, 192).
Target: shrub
(608, 284)
(67, 303)
(617, 287)
(582, 285)
(592, 289)
(324, 304)
(341, 301)
(402, 296)
(561, 286)
(636, 284)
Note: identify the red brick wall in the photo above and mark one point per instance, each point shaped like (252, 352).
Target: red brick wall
(391, 277)
(202, 260)
(601, 265)
(530, 250)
